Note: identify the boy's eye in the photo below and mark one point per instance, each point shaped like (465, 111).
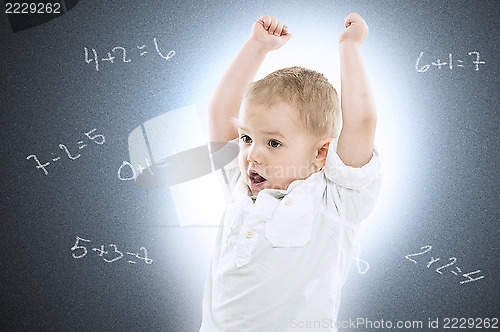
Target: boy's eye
(246, 139)
(274, 143)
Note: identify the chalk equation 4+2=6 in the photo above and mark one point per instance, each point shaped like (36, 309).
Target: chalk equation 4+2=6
(96, 138)
(80, 251)
(121, 51)
(450, 64)
(452, 260)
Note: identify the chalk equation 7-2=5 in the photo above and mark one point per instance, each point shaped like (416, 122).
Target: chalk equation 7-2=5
(95, 138)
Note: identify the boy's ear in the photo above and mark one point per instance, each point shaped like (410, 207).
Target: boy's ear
(322, 152)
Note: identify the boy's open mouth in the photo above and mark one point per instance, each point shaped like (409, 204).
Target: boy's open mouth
(256, 179)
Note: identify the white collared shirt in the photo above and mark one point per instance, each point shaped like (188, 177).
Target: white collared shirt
(279, 262)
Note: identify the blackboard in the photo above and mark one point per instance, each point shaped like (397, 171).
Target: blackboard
(85, 247)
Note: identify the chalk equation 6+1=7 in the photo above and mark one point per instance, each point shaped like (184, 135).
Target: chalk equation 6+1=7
(450, 64)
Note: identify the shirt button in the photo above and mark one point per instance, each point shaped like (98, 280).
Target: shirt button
(249, 234)
(289, 202)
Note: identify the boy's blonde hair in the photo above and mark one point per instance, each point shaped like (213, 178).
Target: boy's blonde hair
(306, 90)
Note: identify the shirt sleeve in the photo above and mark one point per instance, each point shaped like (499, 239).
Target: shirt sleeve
(225, 162)
(354, 190)
(347, 176)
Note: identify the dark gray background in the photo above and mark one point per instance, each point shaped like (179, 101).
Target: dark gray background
(438, 131)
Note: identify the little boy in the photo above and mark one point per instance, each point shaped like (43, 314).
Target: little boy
(298, 193)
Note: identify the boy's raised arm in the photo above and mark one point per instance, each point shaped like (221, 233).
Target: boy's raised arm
(355, 145)
(267, 34)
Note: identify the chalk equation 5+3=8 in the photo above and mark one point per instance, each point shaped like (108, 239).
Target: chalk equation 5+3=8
(80, 251)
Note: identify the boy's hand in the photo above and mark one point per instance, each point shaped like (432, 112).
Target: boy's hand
(356, 30)
(269, 33)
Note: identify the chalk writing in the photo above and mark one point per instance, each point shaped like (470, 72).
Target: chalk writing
(109, 256)
(183, 166)
(119, 54)
(445, 267)
(127, 171)
(359, 260)
(451, 63)
(95, 138)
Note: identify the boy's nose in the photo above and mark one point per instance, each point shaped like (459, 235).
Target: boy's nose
(254, 155)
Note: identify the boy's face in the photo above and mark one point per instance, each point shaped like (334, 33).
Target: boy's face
(274, 150)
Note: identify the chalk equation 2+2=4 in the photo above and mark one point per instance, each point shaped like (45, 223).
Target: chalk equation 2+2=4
(96, 138)
(450, 64)
(80, 251)
(453, 260)
(122, 52)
